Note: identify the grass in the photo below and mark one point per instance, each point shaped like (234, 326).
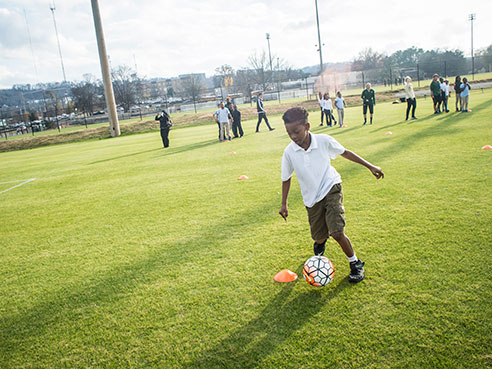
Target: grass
(123, 254)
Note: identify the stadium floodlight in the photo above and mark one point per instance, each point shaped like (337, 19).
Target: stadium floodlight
(52, 8)
(103, 59)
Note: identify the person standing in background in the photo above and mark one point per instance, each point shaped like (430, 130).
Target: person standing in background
(236, 122)
(369, 100)
(165, 124)
(435, 88)
(465, 94)
(410, 97)
(457, 92)
(340, 104)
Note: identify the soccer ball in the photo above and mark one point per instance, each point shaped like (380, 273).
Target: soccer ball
(318, 271)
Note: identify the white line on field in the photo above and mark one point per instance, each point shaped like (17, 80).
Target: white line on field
(19, 180)
(20, 184)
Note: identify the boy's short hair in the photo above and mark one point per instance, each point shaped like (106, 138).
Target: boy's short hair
(296, 115)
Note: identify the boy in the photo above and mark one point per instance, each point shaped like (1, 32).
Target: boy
(308, 155)
(435, 88)
(340, 104)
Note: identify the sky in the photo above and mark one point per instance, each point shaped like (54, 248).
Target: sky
(165, 38)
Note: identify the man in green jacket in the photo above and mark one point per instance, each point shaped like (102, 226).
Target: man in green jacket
(435, 88)
(369, 100)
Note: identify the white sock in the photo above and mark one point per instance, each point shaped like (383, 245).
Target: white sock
(352, 258)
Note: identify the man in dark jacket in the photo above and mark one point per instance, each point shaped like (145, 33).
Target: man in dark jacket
(236, 122)
(261, 113)
(165, 124)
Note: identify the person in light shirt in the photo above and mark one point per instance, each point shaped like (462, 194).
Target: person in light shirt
(309, 155)
(410, 97)
(340, 104)
(223, 117)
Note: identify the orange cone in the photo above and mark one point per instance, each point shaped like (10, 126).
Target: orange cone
(243, 177)
(487, 147)
(285, 276)
(232, 153)
(389, 133)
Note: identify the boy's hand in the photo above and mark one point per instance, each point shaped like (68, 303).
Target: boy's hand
(378, 173)
(284, 212)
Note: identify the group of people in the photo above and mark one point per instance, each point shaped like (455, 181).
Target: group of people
(326, 106)
(228, 117)
(368, 101)
(440, 91)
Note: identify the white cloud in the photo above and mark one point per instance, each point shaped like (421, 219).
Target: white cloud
(172, 37)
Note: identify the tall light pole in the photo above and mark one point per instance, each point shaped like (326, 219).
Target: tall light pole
(471, 18)
(319, 40)
(114, 125)
(52, 8)
(269, 53)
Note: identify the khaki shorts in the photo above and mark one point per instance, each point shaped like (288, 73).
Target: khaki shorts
(328, 215)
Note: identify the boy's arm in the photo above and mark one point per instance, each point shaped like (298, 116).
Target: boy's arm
(285, 193)
(357, 159)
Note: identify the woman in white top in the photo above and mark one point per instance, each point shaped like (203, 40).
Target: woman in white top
(410, 97)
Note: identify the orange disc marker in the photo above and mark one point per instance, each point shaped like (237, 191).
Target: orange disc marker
(243, 177)
(487, 147)
(344, 126)
(285, 276)
(232, 153)
(389, 133)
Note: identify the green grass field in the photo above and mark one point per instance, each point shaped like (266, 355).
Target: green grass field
(122, 254)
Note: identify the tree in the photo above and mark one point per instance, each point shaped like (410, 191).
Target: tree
(85, 94)
(407, 58)
(126, 86)
(261, 75)
(367, 59)
(192, 86)
(224, 77)
(484, 59)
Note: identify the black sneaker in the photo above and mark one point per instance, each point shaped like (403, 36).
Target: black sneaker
(272, 129)
(356, 271)
(319, 249)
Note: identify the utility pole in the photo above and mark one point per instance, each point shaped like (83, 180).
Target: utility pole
(278, 80)
(114, 124)
(471, 18)
(52, 8)
(269, 54)
(319, 40)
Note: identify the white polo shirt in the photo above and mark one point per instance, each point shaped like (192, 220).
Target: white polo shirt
(314, 172)
(223, 115)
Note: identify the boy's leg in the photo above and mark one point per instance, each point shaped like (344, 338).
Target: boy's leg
(234, 129)
(222, 128)
(335, 221)
(322, 114)
(260, 117)
(228, 126)
(409, 105)
(240, 127)
(266, 121)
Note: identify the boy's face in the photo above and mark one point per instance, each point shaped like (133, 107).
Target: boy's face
(299, 133)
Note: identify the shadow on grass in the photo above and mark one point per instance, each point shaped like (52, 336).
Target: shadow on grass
(247, 346)
(438, 117)
(194, 146)
(122, 156)
(21, 328)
